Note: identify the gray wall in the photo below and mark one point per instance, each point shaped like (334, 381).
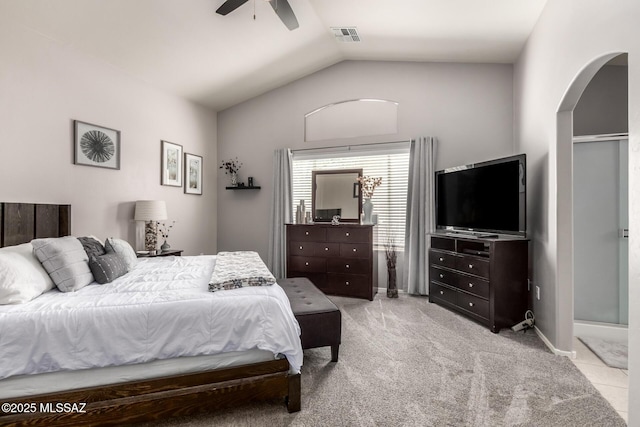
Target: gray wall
(569, 36)
(468, 107)
(44, 86)
(604, 106)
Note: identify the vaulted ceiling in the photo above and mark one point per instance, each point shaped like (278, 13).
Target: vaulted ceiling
(185, 48)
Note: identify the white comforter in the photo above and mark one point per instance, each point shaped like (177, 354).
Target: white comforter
(159, 310)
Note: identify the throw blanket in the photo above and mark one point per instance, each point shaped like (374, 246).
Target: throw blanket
(238, 270)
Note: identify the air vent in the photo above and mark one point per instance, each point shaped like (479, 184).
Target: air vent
(346, 34)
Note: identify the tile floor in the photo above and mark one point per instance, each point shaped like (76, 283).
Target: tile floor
(612, 383)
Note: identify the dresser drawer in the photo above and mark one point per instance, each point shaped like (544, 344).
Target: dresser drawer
(302, 248)
(474, 304)
(346, 234)
(350, 266)
(349, 284)
(473, 265)
(308, 264)
(354, 250)
(443, 293)
(306, 233)
(443, 276)
(326, 249)
(474, 285)
(442, 258)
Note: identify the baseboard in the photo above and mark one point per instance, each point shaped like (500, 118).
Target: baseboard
(571, 354)
(606, 331)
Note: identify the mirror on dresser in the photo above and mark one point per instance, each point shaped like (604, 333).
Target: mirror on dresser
(336, 192)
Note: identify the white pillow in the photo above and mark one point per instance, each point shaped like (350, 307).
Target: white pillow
(65, 260)
(124, 249)
(22, 277)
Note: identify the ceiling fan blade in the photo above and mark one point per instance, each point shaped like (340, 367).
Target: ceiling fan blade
(284, 11)
(230, 6)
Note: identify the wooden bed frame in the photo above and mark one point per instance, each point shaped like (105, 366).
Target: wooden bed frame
(145, 400)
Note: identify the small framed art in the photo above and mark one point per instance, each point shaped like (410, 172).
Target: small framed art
(192, 174)
(96, 145)
(171, 169)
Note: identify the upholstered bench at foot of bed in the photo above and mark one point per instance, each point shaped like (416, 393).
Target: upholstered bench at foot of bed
(319, 318)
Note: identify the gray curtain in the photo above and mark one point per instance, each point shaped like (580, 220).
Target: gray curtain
(419, 216)
(281, 206)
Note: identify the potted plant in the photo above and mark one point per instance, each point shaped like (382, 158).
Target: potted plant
(392, 257)
(231, 167)
(367, 185)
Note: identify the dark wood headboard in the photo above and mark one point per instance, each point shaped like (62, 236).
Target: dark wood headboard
(23, 222)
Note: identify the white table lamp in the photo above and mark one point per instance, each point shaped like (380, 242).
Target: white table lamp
(150, 211)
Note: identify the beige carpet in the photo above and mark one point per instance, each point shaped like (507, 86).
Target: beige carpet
(408, 362)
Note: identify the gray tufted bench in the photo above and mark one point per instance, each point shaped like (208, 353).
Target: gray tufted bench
(319, 318)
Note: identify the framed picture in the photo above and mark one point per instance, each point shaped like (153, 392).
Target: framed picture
(192, 174)
(96, 146)
(171, 172)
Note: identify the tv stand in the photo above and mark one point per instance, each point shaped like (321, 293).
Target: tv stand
(482, 278)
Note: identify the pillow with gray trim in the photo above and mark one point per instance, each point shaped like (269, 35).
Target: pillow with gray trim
(65, 260)
(124, 249)
(108, 267)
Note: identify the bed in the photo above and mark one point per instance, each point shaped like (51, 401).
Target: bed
(198, 365)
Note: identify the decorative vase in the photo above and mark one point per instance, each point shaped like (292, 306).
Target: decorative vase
(367, 209)
(234, 179)
(165, 246)
(392, 285)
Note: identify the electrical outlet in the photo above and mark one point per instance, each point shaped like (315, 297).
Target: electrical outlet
(538, 292)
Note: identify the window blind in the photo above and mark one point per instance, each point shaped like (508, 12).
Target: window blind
(390, 162)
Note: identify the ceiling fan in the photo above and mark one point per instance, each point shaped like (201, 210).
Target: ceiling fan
(281, 7)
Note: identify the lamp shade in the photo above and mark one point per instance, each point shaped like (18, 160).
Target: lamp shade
(150, 210)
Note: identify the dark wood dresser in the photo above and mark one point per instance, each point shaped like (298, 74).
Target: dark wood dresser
(484, 279)
(338, 259)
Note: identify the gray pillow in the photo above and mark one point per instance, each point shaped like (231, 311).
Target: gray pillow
(124, 249)
(92, 246)
(108, 267)
(65, 260)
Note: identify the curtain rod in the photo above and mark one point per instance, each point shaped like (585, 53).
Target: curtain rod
(348, 147)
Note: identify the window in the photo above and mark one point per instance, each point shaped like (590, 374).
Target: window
(389, 161)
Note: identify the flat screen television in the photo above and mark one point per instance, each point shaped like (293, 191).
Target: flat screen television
(485, 198)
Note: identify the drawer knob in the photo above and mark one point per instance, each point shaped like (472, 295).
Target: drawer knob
(300, 247)
(471, 304)
(306, 233)
(470, 265)
(355, 250)
(346, 283)
(441, 259)
(441, 292)
(306, 263)
(346, 234)
(347, 265)
(326, 249)
(471, 285)
(441, 276)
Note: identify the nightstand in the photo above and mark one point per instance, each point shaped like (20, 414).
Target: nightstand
(170, 252)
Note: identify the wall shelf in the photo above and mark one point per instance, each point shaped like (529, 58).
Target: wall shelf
(255, 187)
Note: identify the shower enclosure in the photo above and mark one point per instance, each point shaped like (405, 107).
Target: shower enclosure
(600, 206)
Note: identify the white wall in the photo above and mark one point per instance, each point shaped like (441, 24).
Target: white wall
(569, 35)
(469, 108)
(44, 86)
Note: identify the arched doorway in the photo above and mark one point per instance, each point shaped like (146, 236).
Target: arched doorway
(564, 198)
